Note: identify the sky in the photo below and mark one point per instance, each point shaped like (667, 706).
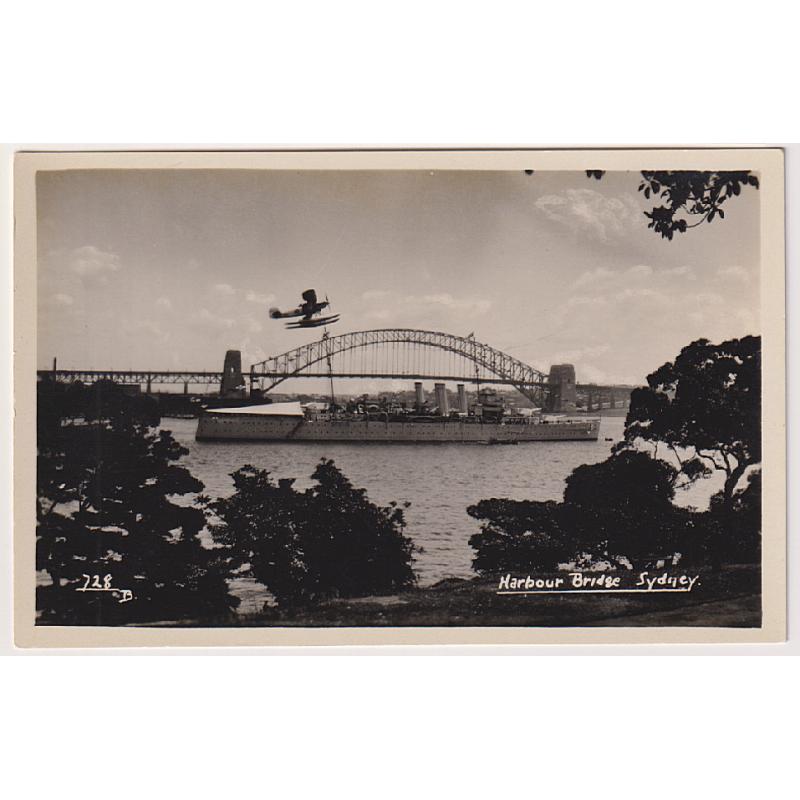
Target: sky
(168, 269)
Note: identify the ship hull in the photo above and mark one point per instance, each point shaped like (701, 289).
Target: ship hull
(233, 427)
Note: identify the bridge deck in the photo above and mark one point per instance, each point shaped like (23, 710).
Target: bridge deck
(202, 377)
(132, 376)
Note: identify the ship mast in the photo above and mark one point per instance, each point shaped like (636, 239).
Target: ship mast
(477, 371)
(325, 338)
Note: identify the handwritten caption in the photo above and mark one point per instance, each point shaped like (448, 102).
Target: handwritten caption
(603, 583)
(93, 583)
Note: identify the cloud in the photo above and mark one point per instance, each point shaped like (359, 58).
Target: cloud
(224, 289)
(594, 276)
(591, 362)
(261, 299)
(640, 293)
(642, 311)
(737, 273)
(420, 309)
(148, 327)
(379, 314)
(626, 295)
(165, 303)
(89, 261)
(678, 272)
(584, 300)
(588, 372)
(639, 272)
(602, 274)
(446, 300)
(707, 299)
(589, 211)
(59, 303)
(747, 318)
(206, 320)
(579, 354)
(252, 353)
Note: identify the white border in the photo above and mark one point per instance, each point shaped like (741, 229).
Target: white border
(606, 160)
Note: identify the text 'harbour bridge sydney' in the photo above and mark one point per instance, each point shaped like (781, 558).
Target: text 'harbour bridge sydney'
(386, 353)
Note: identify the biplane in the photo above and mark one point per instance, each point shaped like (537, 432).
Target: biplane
(306, 315)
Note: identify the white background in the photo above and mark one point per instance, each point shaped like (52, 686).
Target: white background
(263, 74)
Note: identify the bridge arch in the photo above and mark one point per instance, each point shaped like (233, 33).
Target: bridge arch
(527, 380)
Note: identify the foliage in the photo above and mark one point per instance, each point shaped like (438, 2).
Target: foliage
(518, 535)
(105, 477)
(706, 408)
(734, 529)
(687, 194)
(617, 511)
(696, 194)
(328, 541)
(621, 509)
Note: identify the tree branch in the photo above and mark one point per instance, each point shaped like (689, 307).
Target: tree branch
(675, 453)
(711, 458)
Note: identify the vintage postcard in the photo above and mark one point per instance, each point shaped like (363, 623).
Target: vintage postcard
(399, 397)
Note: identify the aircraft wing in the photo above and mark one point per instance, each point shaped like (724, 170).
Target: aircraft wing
(313, 323)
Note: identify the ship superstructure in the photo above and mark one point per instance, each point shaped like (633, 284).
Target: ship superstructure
(487, 422)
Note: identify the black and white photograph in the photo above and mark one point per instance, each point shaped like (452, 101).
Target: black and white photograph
(400, 400)
(448, 394)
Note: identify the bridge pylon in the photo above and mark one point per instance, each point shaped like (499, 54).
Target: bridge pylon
(232, 384)
(562, 396)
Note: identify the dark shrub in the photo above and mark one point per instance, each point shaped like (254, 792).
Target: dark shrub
(105, 477)
(328, 541)
(518, 536)
(618, 510)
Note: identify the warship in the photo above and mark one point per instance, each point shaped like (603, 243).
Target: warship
(487, 422)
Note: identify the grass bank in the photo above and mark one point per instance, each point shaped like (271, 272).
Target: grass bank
(729, 597)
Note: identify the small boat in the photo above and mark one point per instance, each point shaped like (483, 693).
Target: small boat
(503, 441)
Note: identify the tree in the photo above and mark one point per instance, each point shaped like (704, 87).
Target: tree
(705, 410)
(705, 407)
(697, 195)
(328, 541)
(733, 532)
(621, 509)
(617, 511)
(105, 479)
(688, 194)
(522, 536)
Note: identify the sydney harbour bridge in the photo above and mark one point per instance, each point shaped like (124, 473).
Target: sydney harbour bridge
(386, 353)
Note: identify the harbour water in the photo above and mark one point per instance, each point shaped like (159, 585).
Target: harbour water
(439, 480)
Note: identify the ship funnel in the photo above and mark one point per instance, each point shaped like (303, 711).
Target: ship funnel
(419, 394)
(441, 399)
(462, 398)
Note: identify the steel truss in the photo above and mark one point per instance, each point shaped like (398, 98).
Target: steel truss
(527, 380)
